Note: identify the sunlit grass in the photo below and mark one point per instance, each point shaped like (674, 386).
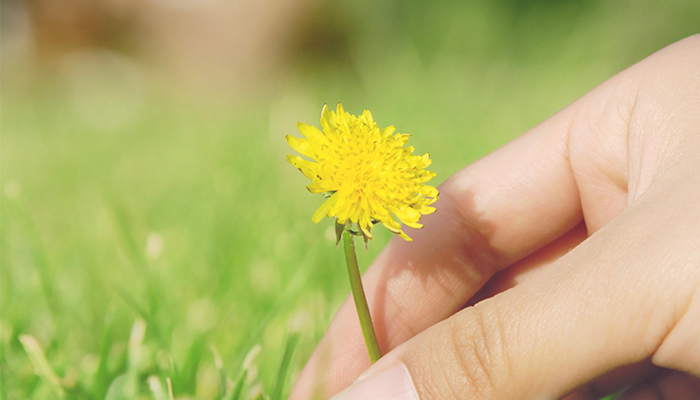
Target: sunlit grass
(174, 251)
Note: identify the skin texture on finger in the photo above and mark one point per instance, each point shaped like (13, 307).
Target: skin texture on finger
(515, 201)
(487, 218)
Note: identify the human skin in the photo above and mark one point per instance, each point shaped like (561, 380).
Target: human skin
(564, 265)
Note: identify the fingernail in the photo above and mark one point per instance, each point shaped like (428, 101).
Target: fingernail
(394, 383)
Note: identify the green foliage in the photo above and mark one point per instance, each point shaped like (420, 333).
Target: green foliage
(164, 256)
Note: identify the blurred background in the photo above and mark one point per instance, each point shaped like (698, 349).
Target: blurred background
(151, 233)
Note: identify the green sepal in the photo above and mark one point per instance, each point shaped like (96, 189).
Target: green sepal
(339, 228)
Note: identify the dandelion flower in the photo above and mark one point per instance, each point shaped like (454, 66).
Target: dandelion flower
(368, 173)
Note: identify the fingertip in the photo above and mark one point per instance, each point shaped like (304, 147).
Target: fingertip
(392, 383)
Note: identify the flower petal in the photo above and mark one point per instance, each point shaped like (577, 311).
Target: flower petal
(301, 145)
(325, 207)
(328, 119)
(311, 132)
(408, 216)
(308, 168)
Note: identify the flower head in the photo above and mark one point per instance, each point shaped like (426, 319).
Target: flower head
(369, 173)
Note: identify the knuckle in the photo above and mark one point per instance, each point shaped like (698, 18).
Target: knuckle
(471, 362)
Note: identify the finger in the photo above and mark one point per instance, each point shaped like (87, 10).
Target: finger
(613, 301)
(533, 265)
(489, 215)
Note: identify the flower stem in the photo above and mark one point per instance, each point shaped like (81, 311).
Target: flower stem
(358, 294)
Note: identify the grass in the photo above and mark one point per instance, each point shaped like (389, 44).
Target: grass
(173, 256)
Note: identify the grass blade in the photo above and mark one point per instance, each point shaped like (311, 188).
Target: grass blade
(292, 341)
(170, 389)
(219, 364)
(131, 301)
(38, 254)
(41, 365)
(99, 389)
(238, 387)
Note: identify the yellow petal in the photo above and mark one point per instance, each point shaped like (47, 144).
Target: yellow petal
(322, 186)
(339, 110)
(325, 207)
(300, 145)
(405, 236)
(308, 168)
(408, 216)
(311, 132)
(328, 120)
(365, 224)
(425, 210)
(368, 117)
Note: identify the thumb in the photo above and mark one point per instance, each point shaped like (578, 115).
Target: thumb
(613, 301)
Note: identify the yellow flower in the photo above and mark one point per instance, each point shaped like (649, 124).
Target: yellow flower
(370, 176)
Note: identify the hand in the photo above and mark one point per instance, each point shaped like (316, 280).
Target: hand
(575, 249)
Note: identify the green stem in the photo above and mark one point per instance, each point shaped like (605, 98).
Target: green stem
(358, 294)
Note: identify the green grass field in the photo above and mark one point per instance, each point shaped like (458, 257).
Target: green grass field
(170, 247)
